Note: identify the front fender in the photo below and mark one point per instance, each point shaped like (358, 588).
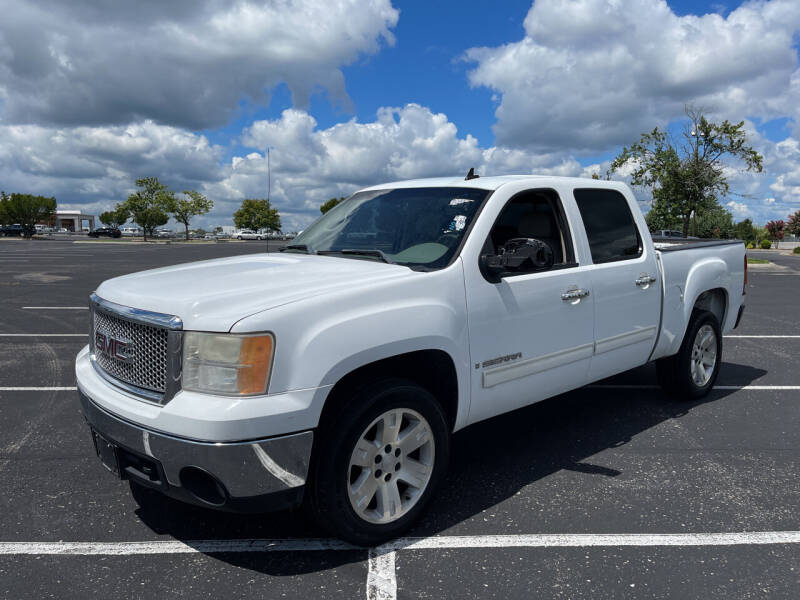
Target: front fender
(320, 340)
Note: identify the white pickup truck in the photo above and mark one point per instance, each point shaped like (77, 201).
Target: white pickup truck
(335, 372)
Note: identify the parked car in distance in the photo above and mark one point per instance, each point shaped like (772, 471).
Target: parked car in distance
(671, 233)
(248, 234)
(110, 232)
(16, 230)
(334, 374)
(667, 233)
(131, 231)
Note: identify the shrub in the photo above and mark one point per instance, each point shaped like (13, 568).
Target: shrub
(750, 246)
(766, 244)
(796, 250)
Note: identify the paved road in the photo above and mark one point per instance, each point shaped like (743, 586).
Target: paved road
(610, 460)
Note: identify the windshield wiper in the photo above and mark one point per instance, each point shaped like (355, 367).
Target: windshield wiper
(302, 247)
(361, 252)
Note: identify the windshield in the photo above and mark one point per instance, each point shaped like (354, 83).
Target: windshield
(416, 227)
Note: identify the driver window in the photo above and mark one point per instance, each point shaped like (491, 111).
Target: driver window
(534, 214)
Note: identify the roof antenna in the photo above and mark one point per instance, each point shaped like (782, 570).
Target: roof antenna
(471, 175)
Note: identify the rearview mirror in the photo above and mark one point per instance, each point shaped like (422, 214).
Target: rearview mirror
(518, 255)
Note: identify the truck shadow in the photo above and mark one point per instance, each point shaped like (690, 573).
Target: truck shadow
(492, 461)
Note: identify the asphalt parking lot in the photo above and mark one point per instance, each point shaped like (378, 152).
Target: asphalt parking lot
(611, 491)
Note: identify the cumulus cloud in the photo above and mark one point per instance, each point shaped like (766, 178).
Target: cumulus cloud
(593, 74)
(182, 62)
(96, 167)
(739, 210)
(310, 165)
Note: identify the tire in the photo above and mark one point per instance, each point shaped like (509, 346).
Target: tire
(335, 493)
(690, 374)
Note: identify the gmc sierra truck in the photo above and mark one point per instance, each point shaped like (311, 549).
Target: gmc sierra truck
(334, 373)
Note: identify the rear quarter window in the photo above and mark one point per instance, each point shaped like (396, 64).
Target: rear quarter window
(609, 225)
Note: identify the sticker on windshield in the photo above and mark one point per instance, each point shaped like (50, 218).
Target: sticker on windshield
(459, 222)
(458, 201)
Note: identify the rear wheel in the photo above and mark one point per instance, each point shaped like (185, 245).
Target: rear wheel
(691, 373)
(378, 462)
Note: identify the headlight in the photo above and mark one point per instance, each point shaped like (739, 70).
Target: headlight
(227, 363)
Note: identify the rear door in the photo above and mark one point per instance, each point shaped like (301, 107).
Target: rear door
(625, 281)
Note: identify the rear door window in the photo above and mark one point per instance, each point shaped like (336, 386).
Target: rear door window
(609, 225)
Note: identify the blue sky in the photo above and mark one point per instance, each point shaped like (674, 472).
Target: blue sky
(362, 91)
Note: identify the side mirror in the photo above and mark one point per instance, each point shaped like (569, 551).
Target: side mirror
(526, 255)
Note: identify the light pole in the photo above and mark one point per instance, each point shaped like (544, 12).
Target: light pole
(697, 135)
(269, 174)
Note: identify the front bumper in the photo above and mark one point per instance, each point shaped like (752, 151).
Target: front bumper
(247, 476)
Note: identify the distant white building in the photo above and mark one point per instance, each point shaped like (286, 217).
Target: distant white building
(73, 220)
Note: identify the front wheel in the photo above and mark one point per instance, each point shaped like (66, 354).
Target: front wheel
(378, 462)
(691, 373)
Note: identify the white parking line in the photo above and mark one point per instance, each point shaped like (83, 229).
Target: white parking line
(381, 576)
(43, 334)
(763, 336)
(716, 387)
(536, 540)
(171, 547)
(596, 387)
(55, 307)
(38, 389)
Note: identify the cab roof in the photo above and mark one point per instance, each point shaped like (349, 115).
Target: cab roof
(490, 183)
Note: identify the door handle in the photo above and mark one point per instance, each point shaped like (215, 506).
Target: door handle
(571, 295)
(645, 280)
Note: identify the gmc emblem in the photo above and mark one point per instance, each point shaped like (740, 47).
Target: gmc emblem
(120, 350)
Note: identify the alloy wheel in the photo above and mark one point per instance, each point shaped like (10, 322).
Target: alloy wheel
(704, 355)
(390, 466)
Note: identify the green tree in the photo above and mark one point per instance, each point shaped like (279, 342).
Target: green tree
(192, 205)
(716, 222)
(326, 206)
(149, 205)
(257, 214)
(26, 209)
(793, 225)
(3, 199)
(658, 218)
(687, 178)
(745, 230)
(116, 217)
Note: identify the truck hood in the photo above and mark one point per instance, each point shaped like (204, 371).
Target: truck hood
(212, 295)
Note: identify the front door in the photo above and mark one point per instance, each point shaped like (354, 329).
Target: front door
(531, 333)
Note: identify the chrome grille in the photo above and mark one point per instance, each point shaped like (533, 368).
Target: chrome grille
(146, 366)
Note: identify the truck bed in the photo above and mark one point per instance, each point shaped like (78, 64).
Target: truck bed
(689, 267)
(665, 244)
